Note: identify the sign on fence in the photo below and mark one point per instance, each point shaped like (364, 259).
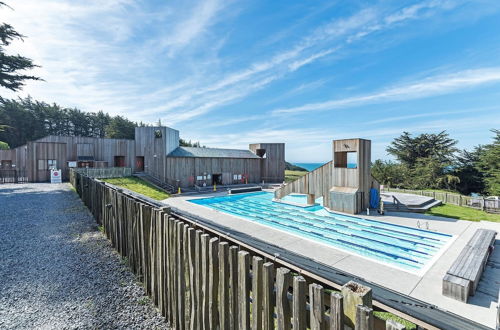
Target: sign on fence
(55, 176)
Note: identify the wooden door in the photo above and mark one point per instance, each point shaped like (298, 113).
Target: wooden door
(119, 161)
(139, 163)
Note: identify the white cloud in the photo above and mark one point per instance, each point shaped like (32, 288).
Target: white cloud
(436, 85)
(93, 55)
(195, 24)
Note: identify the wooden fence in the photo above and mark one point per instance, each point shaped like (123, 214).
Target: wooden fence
(105, 172)
(13, 176)
(480, 202)
(199, 281)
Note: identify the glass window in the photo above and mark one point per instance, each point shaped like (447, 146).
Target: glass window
(51, 164)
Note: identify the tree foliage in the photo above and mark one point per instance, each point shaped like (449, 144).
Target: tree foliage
(26, 120)
(12, 67)
(431, 161)
(489, 164)
(408, 150)
(184, 143)
(4, 146)
(121, 128)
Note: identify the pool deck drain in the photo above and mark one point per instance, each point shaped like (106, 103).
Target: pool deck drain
(425, 286)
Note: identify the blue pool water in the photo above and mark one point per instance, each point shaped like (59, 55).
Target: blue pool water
(401, 246)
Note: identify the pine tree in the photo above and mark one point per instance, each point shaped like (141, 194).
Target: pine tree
(13, 66)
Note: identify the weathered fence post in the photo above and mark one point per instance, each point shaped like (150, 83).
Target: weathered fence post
(224, 285)
(299, 303)
(257, 263)
(336, 311)
(213, 280)
(393, 325)
(268, 296)
(283, 281)
(317, 306)
(233, 287)
(355, 294)
(181, 284)
(243, 290)
(193, 281)
(364, 318)
(198, 278)
(187, 276)
(204, 280)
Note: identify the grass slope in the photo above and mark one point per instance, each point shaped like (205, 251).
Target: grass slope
(462, 213)
(293, 175)
(139, 186)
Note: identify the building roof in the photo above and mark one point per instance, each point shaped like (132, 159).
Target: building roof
(211, 153)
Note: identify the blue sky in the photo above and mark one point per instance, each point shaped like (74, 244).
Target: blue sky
(229, 73)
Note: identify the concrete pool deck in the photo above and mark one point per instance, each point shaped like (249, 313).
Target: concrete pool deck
(427, 286)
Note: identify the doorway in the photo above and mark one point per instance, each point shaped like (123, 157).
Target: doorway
(217, 179)
(119, 161)
(139, 163)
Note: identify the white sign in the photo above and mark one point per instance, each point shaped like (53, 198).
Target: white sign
(72, 164)
(55, 176)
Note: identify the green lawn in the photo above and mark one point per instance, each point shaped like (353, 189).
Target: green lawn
(462, 213)
(293, 175)
(139, 186)
(389, 316)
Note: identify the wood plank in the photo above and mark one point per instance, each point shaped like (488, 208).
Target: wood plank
(283, 282)
(193, 283)
(233, 287)
(299, 320)
(181, 285)
(243, 290)
(364, 318)
(224, 319)
(199, 280)
(204, 281)
(317, 307)
(393, 325)
(336, 311)
(257, 294)
(268, 299)
(187, 276)
(173, 271)
(213, 282)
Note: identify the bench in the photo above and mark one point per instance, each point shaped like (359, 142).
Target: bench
(244, 190)
(462, 278)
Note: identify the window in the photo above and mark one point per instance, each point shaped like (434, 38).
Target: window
(352, 159)
(42, 164)
(51, 164)
(158, 134)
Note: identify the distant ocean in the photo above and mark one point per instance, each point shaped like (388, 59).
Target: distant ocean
(309, 166)
(313, 166)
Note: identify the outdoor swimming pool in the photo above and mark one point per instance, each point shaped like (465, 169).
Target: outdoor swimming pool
(404, 247)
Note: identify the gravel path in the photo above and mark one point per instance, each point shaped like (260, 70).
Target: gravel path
(57, 271)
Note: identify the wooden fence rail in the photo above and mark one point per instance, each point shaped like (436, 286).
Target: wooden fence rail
(198, 281)
(105, 172)
(13, 175)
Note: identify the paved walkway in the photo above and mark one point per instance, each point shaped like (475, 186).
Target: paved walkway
(57, 271)
(427, 286)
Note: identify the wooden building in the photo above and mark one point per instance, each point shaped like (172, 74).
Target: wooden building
(155, 151)
(344, 183)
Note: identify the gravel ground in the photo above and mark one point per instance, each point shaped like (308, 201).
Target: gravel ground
(57, 271)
